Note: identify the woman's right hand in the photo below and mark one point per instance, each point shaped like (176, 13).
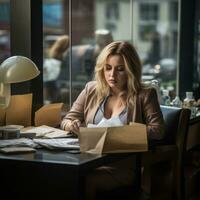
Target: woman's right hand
(72, 126)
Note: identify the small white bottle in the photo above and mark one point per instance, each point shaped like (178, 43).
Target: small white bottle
(190, 103)
(177, 102)
(165, 98)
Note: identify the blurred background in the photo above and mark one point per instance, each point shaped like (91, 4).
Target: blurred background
(151, 25)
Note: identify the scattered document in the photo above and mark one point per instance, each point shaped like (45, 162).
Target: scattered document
(11, 126)
(61, 143)
(58, 143)
(47, 132)
(10, 150)
(24, 142)
(45, 136)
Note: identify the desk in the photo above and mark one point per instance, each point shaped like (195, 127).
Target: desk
(47, 174)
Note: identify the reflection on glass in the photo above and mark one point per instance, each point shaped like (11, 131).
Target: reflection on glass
(157, 42)
(95, 23)
(55, 43)
(52, 66)
(4, 30)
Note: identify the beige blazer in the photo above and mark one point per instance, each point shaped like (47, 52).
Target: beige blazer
(146, 110)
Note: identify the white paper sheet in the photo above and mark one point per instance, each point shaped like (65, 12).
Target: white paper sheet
(61, 143)
(24, 142)
(47, 132)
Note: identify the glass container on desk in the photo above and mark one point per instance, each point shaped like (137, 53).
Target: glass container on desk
(190, 103)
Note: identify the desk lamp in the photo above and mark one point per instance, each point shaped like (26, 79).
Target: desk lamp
(15, 69)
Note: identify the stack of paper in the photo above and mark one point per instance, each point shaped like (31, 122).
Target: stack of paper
(46, 132)
(61, 143)
(23, 142)
(17, 150)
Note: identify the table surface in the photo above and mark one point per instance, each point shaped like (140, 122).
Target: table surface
(54, 156)
(59, 172)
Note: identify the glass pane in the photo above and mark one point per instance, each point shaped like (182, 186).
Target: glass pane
(94, 25)
(151, 25)
(4, 30)
(196, 72)
(55, 46)
(155, 36)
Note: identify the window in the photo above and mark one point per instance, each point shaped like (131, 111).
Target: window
(92, 24)
(174, 13)
(157, 44)
(52, 15)
(149, 11)
(4, 30)
(148, 19)
(112, 10)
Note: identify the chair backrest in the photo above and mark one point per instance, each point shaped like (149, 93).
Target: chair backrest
(176, 124)
(176, 132)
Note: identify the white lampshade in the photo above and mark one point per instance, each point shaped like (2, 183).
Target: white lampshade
(14, 70)
(18, 69)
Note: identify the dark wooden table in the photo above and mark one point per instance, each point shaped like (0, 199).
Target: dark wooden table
(47, 174)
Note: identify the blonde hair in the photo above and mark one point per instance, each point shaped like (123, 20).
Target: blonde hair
(132, 66)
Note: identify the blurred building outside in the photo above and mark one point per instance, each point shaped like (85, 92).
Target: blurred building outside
(150, 25)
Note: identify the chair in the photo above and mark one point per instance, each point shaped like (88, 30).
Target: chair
(163, 165)
(192, 165)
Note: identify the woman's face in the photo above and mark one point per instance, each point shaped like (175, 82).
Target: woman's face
(115, 72)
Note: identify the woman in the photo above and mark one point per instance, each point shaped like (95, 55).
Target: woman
(116, 94)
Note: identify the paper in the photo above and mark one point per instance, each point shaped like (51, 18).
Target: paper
(24, 142)
(49, 115)
(19, 110)
(12, 126)
(114, 121)
(58, 143)
(17, 150)
(61, 143)
(46, 132)
(128, 138)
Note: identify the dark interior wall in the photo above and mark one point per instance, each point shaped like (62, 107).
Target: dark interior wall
(186, 48)
(196, 42)
(26, 40)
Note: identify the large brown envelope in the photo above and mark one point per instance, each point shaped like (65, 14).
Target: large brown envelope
(19, 110)
(49, 115)
(124, 139)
